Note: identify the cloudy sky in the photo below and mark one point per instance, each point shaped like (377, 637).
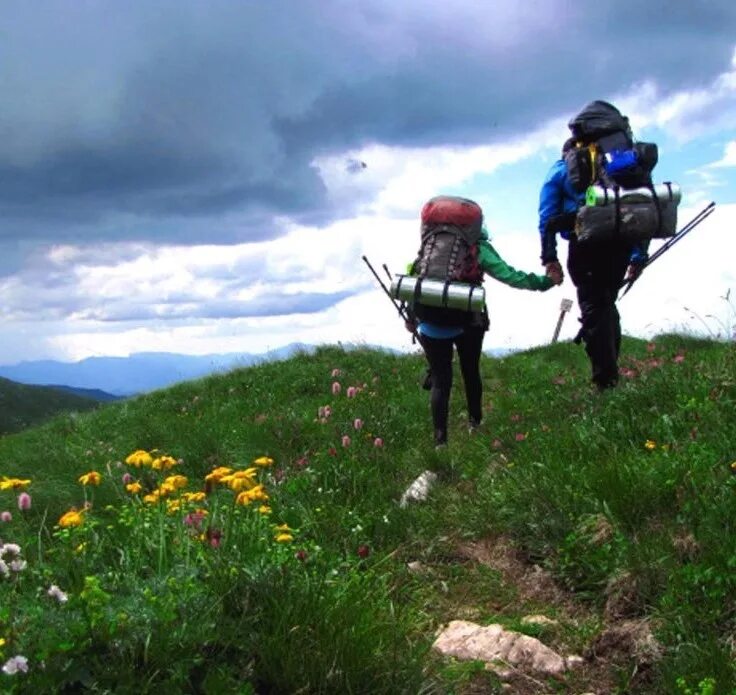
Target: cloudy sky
(204, 177)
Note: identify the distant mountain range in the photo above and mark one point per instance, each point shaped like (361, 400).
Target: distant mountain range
(104, 378)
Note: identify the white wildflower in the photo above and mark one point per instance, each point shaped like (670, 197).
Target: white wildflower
(10, 549)
(15, 664)
(4, 569)
(55, 592)
(18, 565)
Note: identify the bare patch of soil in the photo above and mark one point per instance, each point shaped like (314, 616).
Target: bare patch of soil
(621, 643)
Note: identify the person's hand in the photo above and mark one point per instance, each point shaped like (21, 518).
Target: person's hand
(553, 270)
(633, 271)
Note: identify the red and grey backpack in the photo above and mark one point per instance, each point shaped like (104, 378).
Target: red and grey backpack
(450, 233)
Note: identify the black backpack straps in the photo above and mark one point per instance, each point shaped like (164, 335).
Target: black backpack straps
(655, 200)
(617, 202)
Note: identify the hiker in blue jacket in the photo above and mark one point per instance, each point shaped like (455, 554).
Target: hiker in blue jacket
(597, 271)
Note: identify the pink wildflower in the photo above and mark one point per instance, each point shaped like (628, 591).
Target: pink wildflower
(363, 551)
(651, 347)
(6, 516)
(520, 437)
(336, 372)
(213, 537)
(127, 478)
(345, 441)
(332, 451)
(301, 462)
(194, 519)
(336, 388)
(358, 423)
(301, 555)
(24, 501)
(516, 417)
(351, 392)
(677, 359)
(497, 444)
(378, 442)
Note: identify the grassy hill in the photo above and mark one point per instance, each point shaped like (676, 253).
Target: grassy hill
(297, 571)
(22, 406)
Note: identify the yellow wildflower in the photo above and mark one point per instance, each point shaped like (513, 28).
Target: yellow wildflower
(173, 506)
(243, 499)
(176, 481)
(134, 488)
(264, 509)
(71, 518)
(649, 445)
(91, 478)
(164, 463)
(13, 483)
(264, 461)
(152, 497)
(240, 480)
(194, 496)
(283, 527)
(2, 642)
(217, 474)
(284, 538)
(139, 458)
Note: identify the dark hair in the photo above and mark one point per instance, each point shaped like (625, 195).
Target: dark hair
(568, 145)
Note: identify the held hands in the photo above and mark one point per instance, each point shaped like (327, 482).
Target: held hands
(553, 270)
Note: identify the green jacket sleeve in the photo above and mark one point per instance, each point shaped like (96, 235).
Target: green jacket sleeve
(497, 268)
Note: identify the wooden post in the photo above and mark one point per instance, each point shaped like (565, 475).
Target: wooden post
(565, 306)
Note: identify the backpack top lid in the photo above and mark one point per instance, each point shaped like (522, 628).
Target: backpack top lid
(447, 209)
(597, 119)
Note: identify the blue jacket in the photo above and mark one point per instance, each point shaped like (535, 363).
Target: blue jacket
(558, 197)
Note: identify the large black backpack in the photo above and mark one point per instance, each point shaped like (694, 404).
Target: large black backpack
(624, 202)
(605, 151)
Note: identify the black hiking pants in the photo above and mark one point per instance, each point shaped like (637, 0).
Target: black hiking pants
(439, 352)
(597, 270)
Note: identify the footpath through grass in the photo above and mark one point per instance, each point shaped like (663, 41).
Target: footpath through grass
(254, 543)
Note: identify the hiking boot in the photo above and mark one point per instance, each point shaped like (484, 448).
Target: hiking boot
(440, 438)
(473, 426)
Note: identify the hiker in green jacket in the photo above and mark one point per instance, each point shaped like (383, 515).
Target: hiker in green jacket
(465, 330)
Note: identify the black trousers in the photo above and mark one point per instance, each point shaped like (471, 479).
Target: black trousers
(439, 352)
(597, 270)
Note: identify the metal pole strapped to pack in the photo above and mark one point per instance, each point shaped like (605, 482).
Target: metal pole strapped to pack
(702, 215)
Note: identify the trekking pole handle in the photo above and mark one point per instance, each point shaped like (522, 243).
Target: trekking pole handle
(385, 289)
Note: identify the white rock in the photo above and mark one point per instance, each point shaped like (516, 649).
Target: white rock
(419, 489)
(467, 641)
(537, 620)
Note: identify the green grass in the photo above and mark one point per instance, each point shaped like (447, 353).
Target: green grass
(636, 483)
(23, 406)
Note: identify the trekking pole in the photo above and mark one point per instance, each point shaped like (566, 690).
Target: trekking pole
(385, 289)
(702, 215)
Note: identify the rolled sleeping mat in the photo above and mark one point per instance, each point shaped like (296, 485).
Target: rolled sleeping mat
(602, 195)
(450, 295)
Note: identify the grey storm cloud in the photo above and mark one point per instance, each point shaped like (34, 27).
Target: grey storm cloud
(188, 122)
